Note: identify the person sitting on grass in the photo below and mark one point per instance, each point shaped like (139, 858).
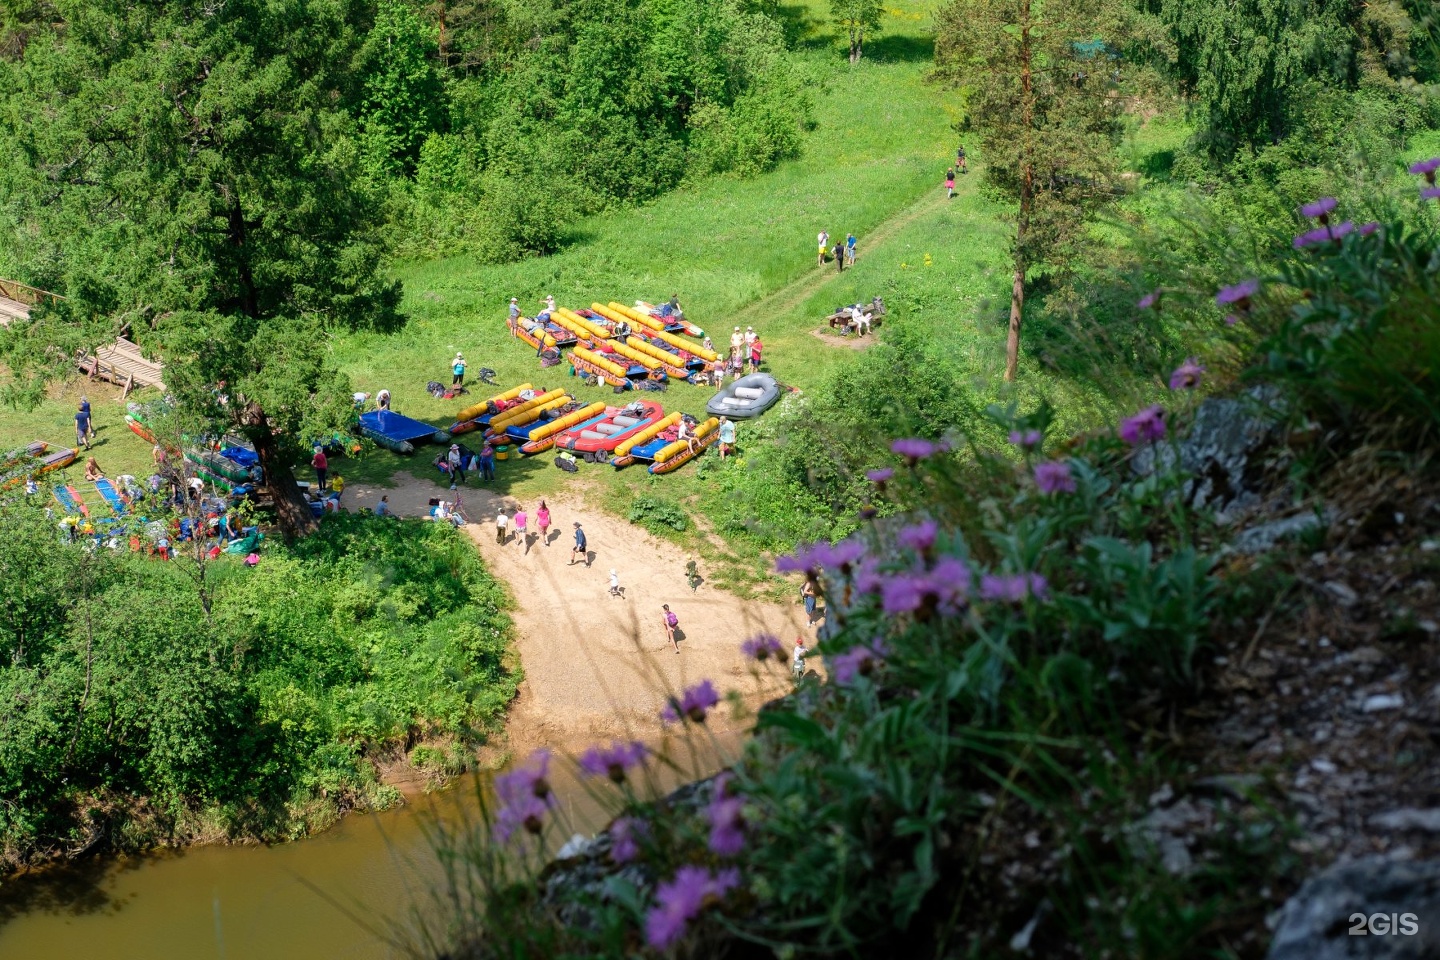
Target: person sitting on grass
(93, 471)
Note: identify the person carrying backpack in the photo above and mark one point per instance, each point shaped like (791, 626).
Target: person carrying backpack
(581, 547)
(671, 622)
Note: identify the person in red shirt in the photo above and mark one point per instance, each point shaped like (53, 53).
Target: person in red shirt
(755, 354)
(321, 465)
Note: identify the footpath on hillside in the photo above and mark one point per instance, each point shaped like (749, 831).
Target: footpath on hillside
(598, 666)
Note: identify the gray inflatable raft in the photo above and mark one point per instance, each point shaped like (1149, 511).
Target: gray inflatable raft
(749, 396)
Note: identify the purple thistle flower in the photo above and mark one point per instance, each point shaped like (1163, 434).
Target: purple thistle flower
(801, 561)
(914, 449)
(1012, 588)
(1368, 228)
(1341, 230)
(525, 780)
(948, 582)
(1054, 477)
(763, 647)
(880, 477)
(869, 579)
(1430, 193)
(1238, 294)
(727, 823)
(1426, 168)
(614, 760)
(920, 537)
(856, 662)
(1151, 299)
(693, 704)
(1146, 426)
(680, 900)
(809, 559)
(1319, 209)
(524, 812)
(1311, 237)
(902, 593)
(624, 835)
(1187, 375)
(1026, 440)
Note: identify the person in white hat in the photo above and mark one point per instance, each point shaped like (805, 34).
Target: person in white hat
(457, 465)
(750, 336)
(514, 308)
(735, 340)
(457, 367)
(549, 303)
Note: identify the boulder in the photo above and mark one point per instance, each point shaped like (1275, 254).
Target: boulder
(1322, 920)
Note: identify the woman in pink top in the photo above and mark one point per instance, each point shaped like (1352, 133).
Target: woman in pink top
(542, 520)
(520, 527)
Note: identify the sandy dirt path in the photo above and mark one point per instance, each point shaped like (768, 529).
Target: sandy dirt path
(597, 666)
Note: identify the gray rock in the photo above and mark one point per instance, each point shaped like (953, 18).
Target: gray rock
(1342, 592)
(1263, 537)
(1316, 924)
(1408, 818)
(1382, 701)
(1221, 452)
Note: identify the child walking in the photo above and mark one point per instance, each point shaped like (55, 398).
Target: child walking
(949, 184)
(615, 585)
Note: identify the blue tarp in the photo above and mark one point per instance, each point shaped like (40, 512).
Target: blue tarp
(241, 456)
(393, 426)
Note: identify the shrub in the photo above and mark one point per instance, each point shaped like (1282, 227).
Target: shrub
(658, 514)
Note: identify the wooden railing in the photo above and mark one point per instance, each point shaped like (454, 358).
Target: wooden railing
(24, 293)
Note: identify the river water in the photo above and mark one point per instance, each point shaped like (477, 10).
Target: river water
(362, 890)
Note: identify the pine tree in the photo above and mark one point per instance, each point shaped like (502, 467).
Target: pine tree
(1043, 85)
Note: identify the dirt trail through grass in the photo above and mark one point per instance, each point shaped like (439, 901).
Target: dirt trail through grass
(791, 296)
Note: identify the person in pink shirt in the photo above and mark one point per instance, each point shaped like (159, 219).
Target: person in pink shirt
(542, 520)
(519, 523)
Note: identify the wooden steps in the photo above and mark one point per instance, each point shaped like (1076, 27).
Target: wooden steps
(12, 310)
(121, 363)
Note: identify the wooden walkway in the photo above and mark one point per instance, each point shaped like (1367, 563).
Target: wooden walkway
(122, 364)
(17, 298)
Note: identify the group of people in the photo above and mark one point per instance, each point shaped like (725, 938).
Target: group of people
(520, 523)
(745, 348)
(950, 173)
(843, 253)
(456, 462)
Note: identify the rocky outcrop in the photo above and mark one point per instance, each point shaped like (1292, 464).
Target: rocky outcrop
(1375, 908)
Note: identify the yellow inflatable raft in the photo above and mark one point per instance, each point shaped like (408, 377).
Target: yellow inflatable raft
(674, 456)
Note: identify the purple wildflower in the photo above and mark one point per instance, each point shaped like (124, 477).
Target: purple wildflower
(914, 449)
(856, 662)
(525, 812)
(1026, 440)
(1311, 237)
(1320, 209)
(920, 537)
(1187, 375)
(1144, 427)
(948, 583)
(1238, 294)
(680, 900)
(869, 579)
(1151, 299)
(614, 760)
(1012, 588)
(1368, 228)
(810, 559)
(902, 593)
(880, 477)
(1430, 193)
(624, 834)
(1341, 230)
(727, 823)
(693, 704)
(527, 779)
(1054, 477)
(763, 647)
(1426, 168)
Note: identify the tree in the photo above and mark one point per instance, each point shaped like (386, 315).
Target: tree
(192, 172)
(404, 101)
(1042, 80)
(855, 17)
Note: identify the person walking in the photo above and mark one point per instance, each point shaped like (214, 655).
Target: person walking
(457, 368)
(456, 461)
(850, 250)
(949, 184)
(85, 406)
(797, 660)
(727, 437)
(839, 257)
(321, 466)
(807, 596)
(960, 159)
(671, 622)
(581, 547)
(520, 521)
(542, 520)
(82, 426)
(487, 463)
(755, 347)
(615, 585)
(823, 239)
(501, 523)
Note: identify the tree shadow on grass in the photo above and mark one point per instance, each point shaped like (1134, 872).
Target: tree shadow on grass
(900, 48)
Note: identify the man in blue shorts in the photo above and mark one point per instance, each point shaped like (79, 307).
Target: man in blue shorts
(580, 546)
